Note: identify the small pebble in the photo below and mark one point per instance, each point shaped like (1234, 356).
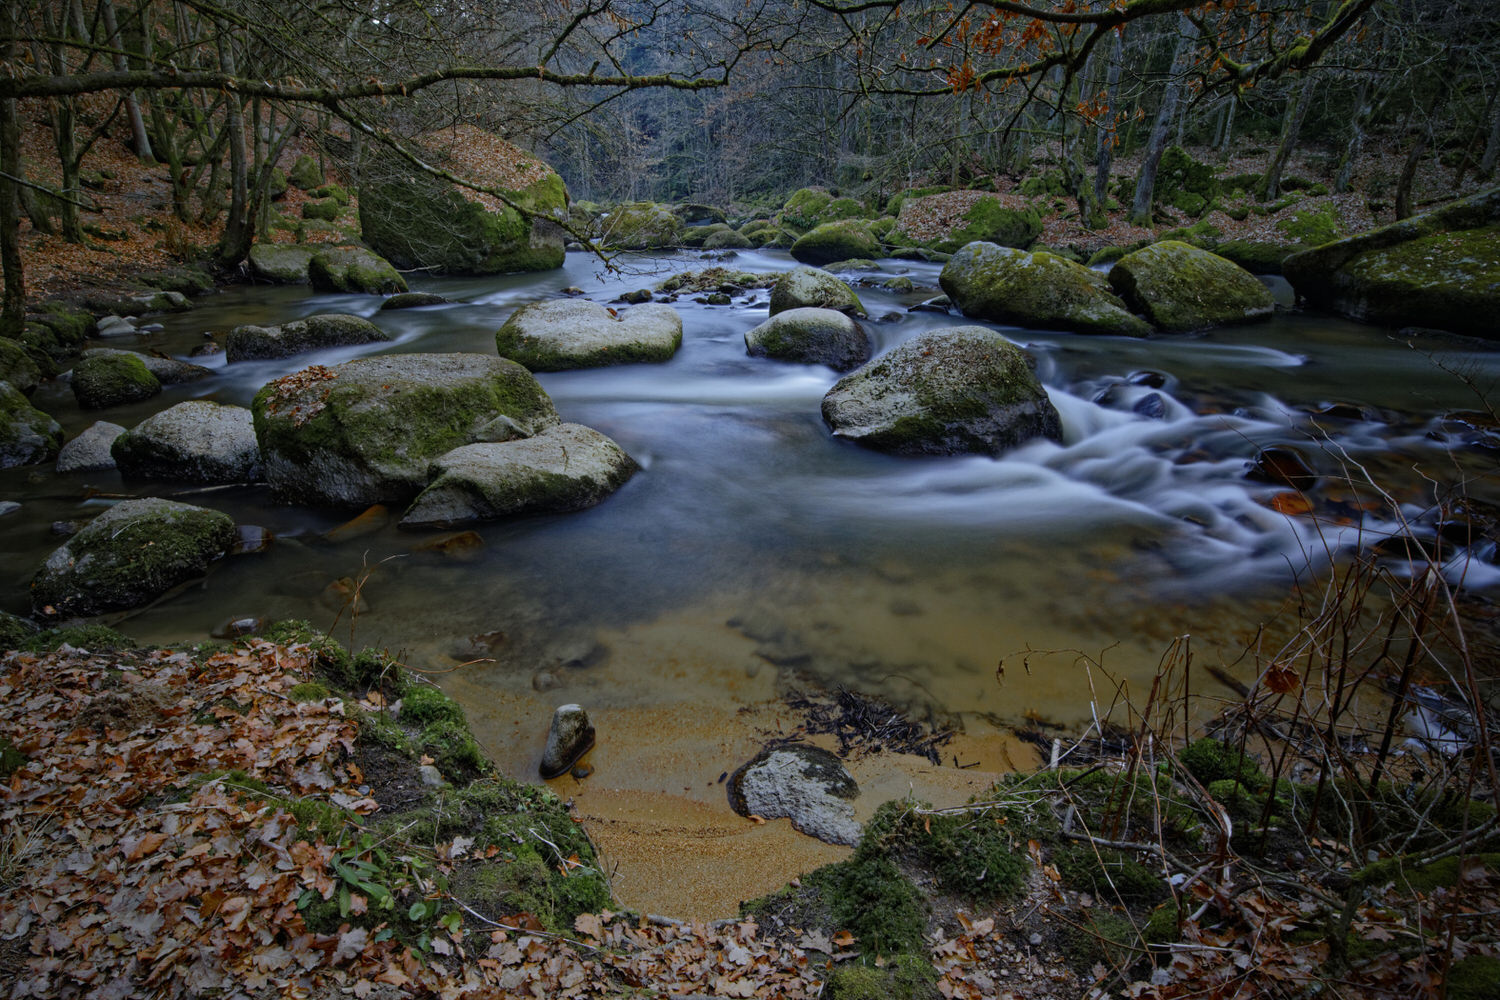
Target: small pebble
(581, 771)
(1036, 938)
(544, 680)
(431, 776)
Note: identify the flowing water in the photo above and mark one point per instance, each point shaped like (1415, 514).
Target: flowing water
(753, 549)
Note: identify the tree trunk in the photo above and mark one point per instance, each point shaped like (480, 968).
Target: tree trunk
(1356, 138)
(239, 229)
(13, 304)
(1145, 187)
(1291, 127)
(1104, 144)
(1426, 128)
(138, 137)
(1492, 146)
(1224, 140)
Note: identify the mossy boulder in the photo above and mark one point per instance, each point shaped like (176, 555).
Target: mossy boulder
(1256, 256)
(811, 336)
(828, 242)
(811, 286)
(55, 333)
(112, 379)
(129, 555)
(305, 174)
(988, 219)
(1185, 183)
(1180, 288)
(282, 263)
(804, 209)
(18, 367)
(693, 236)
(168, 371)
(1037, 290)
(1438, 270)
(559, 334)
(326, 209)
(196, 441)
(564, 468)
(366, 431)
(641, 225)
(334, 192)
(727, 240)
(316, 333)
(353, 269)
(946, 392)
(91, 450)
(27, 435)
(415, 220)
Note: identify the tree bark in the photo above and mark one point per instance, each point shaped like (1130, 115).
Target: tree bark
(1291, 128)
(1356, 138)
(140, 141)
(13, 302)
(1104, 143)
(1145, 187)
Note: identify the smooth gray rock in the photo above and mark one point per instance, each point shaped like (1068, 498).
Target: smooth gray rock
(27, 435)
(367, 431)
(1040, 291)
(811, 336)
(805, 784)
(560, 334)
(282, 263)
(316, 333)
(197, 441)
(129, 555)
(811, 286)
(945, 392)
(564, 468)
(90, 450)
(570, 736)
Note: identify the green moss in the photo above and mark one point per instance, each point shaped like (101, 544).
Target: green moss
(453, 750)
(1103, 937)
(112, 380)
(870, 897)
(425, 704)
(836, 241)
(1474, 977)
(1162, 928)
(90, 637)
(1108, 874)
(1108, 255)
(1424, 879)
(308, 691)
(1257, 258)
(907, 977)
(326, 209)
(14, 630)
(1312, 226)
(804, 209)
(336, 192)
(1210, 760)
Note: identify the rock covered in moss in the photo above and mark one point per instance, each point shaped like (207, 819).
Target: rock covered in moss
(1036, 290)
(412, 300)
(127, 556)
(353, 269)
(282, 263)
(113, 379)
(946, 392)
(1439, 270)
(90, 450)
(366, 431)
(641, 225)
(988, 218)
(197, 441)
(169, 371)
(811, 336)
(18, 367)
(806, 784)
(305, 173)
(727, 240)
(828, 242)
(316, 333)
(27, 435)
(810, 286)
(559, 334)
(1181, 288)
(564, 468)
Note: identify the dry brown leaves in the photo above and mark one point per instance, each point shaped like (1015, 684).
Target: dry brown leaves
(936, 216)
(486, 159)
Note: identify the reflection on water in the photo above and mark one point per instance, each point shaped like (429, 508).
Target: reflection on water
(908, 577)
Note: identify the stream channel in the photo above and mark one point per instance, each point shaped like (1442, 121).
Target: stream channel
(754, 553)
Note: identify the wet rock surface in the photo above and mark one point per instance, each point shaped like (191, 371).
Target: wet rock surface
(570, 736)
(805, 784)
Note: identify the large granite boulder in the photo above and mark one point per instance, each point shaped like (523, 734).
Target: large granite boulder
(1035, 290)
(809, 208)
(197, 441)
(1439, 269)
(642, 225)
(946, 392)
(559, 334)
(846, 239)
(18, 367)
(27, 435)
(129, 555)
(316, 333)
(812, 337)
(353, 269)
(113, 378)
(367, 431)
(281, 263)
(810, 286)
(168, 371)
(90, 450)
(564, 468)
(416, 220)
(1181, 288)
(806, 784)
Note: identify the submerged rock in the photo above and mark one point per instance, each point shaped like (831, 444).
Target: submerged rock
(811, 336)
(27, 435)
(169, 371)
(809, 286)
(412, 300)
(560, 334)
(354, 269)
(197, 441)
(367, 431)
(946, 392)
(570, 736)
(316, 333)
(1036, 290)
(564, 468)
(1181, 288)
(129, 555)
(805, 784)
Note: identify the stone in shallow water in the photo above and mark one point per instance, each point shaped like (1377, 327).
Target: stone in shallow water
(805, 784)
(90, 450)
(569, 738)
